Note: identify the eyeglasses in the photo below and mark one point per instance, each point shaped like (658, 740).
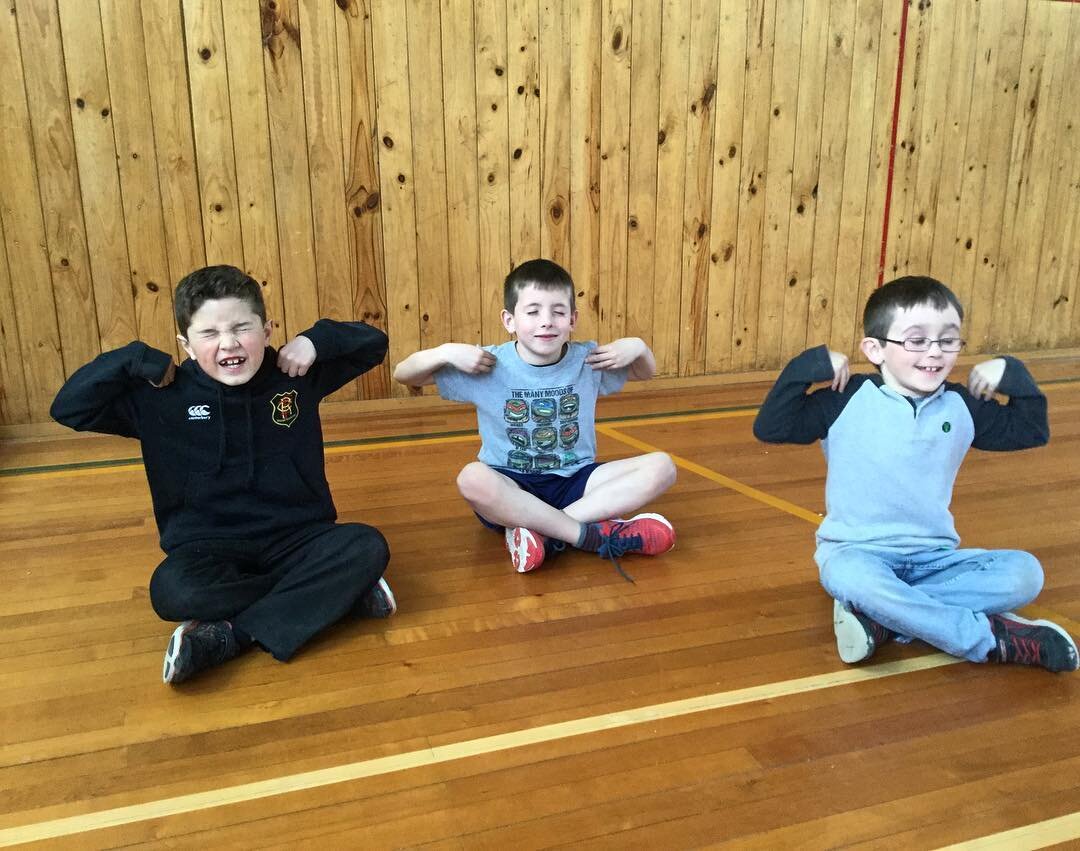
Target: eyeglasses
(923, 344)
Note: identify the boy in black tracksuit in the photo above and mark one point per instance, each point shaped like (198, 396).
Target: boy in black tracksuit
(233, 450)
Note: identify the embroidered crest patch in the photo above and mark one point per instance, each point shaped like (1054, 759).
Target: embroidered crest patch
(285, 408)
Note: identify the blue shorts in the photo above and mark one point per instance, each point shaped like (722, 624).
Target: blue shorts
(556, 491)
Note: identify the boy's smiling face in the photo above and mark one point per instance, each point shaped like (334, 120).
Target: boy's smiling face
(915, 374)
(227, 339)
(542, 320)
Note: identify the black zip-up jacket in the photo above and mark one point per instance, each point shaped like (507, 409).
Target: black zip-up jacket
(224, 462)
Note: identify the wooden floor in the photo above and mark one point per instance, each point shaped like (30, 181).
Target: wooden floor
(703, 705)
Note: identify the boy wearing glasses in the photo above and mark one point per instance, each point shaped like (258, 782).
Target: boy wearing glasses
(893, 441)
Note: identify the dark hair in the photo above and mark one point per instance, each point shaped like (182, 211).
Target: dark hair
(214, 282)
(542, 274)
(903, 294)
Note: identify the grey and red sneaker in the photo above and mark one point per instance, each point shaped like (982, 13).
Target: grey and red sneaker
(196, 646)
(1040, 643)
(857, 636)
(644, 534)
(526, 548)
(377, 602)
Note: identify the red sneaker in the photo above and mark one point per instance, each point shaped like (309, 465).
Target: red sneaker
(526, 548)
(647, 534)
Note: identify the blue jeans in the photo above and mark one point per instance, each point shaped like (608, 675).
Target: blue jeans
(939, 596)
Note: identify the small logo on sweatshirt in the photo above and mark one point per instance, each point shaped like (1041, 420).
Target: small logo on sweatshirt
(946, 427)
(285, 408)
(198, 412)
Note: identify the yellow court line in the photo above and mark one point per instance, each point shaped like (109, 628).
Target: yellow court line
(167, 807)
(1038, 835)
(712, 476)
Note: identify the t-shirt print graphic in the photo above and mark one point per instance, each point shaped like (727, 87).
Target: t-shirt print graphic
(543, 431)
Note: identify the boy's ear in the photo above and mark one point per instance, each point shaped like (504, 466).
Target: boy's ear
(507, 320)
(573, 320)
(874, 349)
(186, 346)
(268, 329)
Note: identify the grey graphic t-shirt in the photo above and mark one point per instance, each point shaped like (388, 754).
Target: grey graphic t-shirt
(534, 419)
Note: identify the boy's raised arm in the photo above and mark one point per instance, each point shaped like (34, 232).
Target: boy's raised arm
(789, 414)
(1020, 424)
(630, 352)
(342, 351)
(420, 367)
(97, 396)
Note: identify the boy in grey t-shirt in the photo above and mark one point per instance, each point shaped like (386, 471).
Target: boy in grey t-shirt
(537, 476)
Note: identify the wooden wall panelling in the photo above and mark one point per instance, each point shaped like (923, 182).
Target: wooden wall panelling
(683, 212)
(13, 400)
(1010, 23)
(318, 40)
(208, 76)
(460, 132)
(58, 181)
(726, 189)
(755, 157)
(99, 182)
(1034, 222)
(254, 163)
(782, 106)
(697, 190)
(362, 197)
(847, 299)
(133, 124)
(493, 82)
(522, 46)
(174, 142)
(975, 136)
(282, 68)
(1064, 330)
(826, 279)
(582, 120)
(932, 137)
(641, 190)
(429, 175)
(887, 56)
(1053, 284)
(1050, 285)
(554, 104)
(617, 41)
(1025, 197)
(670, 183)
(32, 360)
(913, 86)
(946, 246)
(395, 131)
(802, 206)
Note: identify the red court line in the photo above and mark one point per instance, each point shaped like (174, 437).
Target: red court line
(892, 143)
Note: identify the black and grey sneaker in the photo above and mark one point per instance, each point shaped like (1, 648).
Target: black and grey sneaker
(1040, 643)
(196, 646)
(857, 636)
(377, 602)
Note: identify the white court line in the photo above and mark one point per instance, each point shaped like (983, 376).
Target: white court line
(167, 807)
